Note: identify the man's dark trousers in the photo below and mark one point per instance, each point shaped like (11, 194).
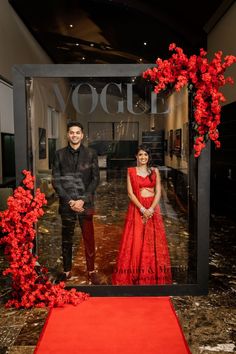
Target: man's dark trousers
(68, 227)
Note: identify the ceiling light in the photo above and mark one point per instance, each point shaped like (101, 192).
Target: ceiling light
(144, 43)
(140, 59)
(83, 58)
(77, 44)
(91, 45)
(71, 26)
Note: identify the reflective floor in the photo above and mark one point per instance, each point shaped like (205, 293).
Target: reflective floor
(208, 321)
(111, 206)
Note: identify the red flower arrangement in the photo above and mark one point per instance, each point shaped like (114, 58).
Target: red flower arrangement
(30, 288)
(206, 78)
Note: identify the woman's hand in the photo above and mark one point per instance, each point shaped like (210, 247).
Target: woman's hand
(148, 213)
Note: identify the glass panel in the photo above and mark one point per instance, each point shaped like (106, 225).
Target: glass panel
(118, 115)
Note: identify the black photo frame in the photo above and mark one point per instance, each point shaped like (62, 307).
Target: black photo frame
(199, 171)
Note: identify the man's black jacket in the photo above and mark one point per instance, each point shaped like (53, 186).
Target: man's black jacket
(75, 180)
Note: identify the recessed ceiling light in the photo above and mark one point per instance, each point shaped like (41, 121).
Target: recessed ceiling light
(71, 26)
(144, 43)
(91, 45)
(83, 58)
(77, 44)
(140, 59)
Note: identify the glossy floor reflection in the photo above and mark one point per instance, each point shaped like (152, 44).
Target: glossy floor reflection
(208, 321)
(111, 206)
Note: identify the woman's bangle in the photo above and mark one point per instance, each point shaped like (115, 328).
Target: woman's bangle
(142, 210)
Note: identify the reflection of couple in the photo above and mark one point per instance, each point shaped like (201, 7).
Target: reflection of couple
(143, 257)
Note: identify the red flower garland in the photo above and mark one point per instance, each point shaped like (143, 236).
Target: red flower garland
(30, 288)
(206, 78)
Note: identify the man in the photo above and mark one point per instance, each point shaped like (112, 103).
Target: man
(75, 178)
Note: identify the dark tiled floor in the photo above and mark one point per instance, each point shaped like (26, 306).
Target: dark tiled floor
(111, 206)
(208, 321)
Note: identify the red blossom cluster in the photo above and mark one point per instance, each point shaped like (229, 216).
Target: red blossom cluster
(30, 286)
(205, 77)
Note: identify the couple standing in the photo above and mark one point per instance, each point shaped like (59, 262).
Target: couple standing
(143, 256)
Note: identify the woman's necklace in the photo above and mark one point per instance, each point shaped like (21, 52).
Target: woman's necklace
(142, 172)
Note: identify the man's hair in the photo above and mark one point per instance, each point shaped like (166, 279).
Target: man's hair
(74, 124)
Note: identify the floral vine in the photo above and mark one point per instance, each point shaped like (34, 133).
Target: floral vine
(206, 78)
(30, 287)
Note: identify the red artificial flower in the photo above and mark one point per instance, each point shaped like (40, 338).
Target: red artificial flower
(29, 288)
(205, 77)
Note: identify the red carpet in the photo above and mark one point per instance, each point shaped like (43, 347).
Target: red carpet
(114, 325)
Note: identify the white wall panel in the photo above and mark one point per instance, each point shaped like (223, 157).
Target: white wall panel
(6, 108)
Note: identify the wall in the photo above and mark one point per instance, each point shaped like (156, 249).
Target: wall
(6, 113)
(17, 44)
(175, 118)
(6, 108)
(99, 115)
(42, 96)
(223, 166)
(222, 37)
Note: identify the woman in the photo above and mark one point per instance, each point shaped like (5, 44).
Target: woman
(143, 257)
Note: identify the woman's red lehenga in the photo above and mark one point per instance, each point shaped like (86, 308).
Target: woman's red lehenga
(143, 257)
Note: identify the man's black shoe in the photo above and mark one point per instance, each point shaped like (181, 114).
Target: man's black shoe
(63, 277)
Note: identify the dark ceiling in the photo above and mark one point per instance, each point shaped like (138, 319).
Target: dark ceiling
(116, 31)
